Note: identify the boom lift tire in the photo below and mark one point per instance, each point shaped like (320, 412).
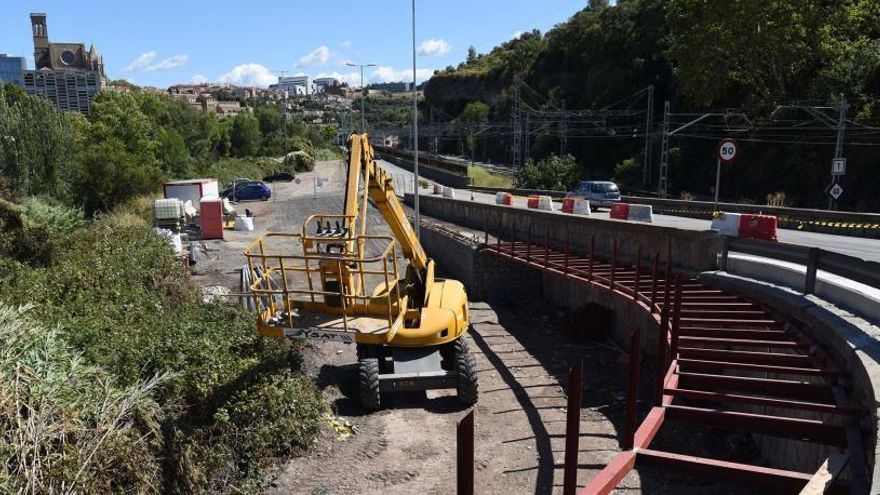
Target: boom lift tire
(368, 377)
(466, 368)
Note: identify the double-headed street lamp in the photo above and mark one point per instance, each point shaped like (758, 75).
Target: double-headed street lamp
(363, 96)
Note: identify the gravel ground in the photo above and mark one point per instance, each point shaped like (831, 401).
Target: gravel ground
(522, 353)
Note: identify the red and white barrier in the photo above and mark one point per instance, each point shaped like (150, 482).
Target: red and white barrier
(541, 203)
(448, 192)
(758, 227)
(632, 212)
(504, 198)
(438, 188)
(576, 206)
(746, 226)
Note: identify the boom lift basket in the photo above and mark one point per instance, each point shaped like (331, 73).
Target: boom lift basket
(323, 287)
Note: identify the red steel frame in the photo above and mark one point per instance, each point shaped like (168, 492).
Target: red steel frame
(705, 334)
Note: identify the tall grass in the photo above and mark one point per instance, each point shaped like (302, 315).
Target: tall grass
(65, 425)
(482, 177)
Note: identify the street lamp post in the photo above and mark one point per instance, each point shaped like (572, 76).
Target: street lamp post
(415, 127)
(363, 96)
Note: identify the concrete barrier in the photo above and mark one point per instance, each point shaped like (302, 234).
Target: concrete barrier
(504, 198)
(546, 203)
(576, 206)
(449, 192)
(727, 224)
(688, 249)
(532, 201)
(438, 188)
(641, 213)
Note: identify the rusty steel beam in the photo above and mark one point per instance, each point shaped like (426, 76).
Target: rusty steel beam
(707, 396)
(572, 428)
(770, 344)
(808, 430)
(733, 333)
(699, 364)
(792, 389)
(778, 479)
(465, 455)
(769, 358)
(649, 427)
(608, 478)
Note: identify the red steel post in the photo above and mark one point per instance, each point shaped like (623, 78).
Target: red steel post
(662, 343)
(546, 246)
(654, 273)
(592, 257)
(572, 428)
(638, 273)
(498, 239)
(676, 318)
(613, 264)
(632, 390)
(567, 235)
(512, 238)
(465, 455)
(529, 244)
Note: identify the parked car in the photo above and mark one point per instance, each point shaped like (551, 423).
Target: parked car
(247, 191)
(599, 193)
(279, 177)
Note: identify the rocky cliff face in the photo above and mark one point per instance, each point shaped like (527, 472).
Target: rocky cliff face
(450, 92)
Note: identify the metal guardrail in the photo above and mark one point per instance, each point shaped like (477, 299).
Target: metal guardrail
(849, 267)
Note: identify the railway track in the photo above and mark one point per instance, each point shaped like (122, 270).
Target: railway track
(727, 362)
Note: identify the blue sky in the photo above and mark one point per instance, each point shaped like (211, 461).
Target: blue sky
(162, 42)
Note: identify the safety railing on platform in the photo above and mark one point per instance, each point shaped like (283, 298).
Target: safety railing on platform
(287, 271)
(814, 259)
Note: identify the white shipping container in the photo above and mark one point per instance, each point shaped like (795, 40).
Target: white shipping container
(192, 190)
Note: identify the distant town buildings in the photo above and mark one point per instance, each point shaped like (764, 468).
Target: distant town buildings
(12, 69)
(201, 97)
(65, 73)
(293, 85)
(391, 87)
(321, 84)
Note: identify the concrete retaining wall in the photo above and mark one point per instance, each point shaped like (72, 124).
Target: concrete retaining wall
(850, 340)
(442, 176)
(690, 250)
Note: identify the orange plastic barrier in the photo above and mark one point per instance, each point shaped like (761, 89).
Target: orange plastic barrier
(568, 205)
(620, 211)
(533, 201)
(757, 227)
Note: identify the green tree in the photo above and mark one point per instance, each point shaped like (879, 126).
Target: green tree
(173, 154)
(245, 135)
(107, 174)
(553, 174)
(472, 55)
(34, 144)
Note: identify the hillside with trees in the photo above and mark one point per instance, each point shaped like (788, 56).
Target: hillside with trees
(748, 59)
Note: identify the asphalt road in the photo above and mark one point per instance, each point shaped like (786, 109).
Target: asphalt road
(868, 249)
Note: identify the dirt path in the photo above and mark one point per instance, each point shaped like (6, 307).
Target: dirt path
(409, 447)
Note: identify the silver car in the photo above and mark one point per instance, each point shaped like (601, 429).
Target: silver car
(599, 193)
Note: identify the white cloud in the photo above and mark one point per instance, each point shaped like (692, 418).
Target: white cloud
(318, 56)
(388, 74)
(249, 75)
(198, 79)
(141, 62)
(345, 44)
(144, 62)
(432, 47)
(516, 34)
(169, 63)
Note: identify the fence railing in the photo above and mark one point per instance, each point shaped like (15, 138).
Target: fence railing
(814, 259)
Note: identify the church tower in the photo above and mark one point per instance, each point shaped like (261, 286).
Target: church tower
(41, 41)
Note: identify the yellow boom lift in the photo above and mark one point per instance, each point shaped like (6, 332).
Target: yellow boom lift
(334, 282)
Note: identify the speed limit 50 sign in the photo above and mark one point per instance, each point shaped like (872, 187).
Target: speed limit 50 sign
(727, 150)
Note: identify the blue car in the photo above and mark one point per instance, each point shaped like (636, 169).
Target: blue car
(248, 191)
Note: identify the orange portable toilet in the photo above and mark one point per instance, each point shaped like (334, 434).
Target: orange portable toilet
(211, 218)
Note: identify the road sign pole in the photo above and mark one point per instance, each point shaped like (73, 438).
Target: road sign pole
(717, 182)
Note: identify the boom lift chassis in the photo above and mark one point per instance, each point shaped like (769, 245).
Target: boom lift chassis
(337, 283)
